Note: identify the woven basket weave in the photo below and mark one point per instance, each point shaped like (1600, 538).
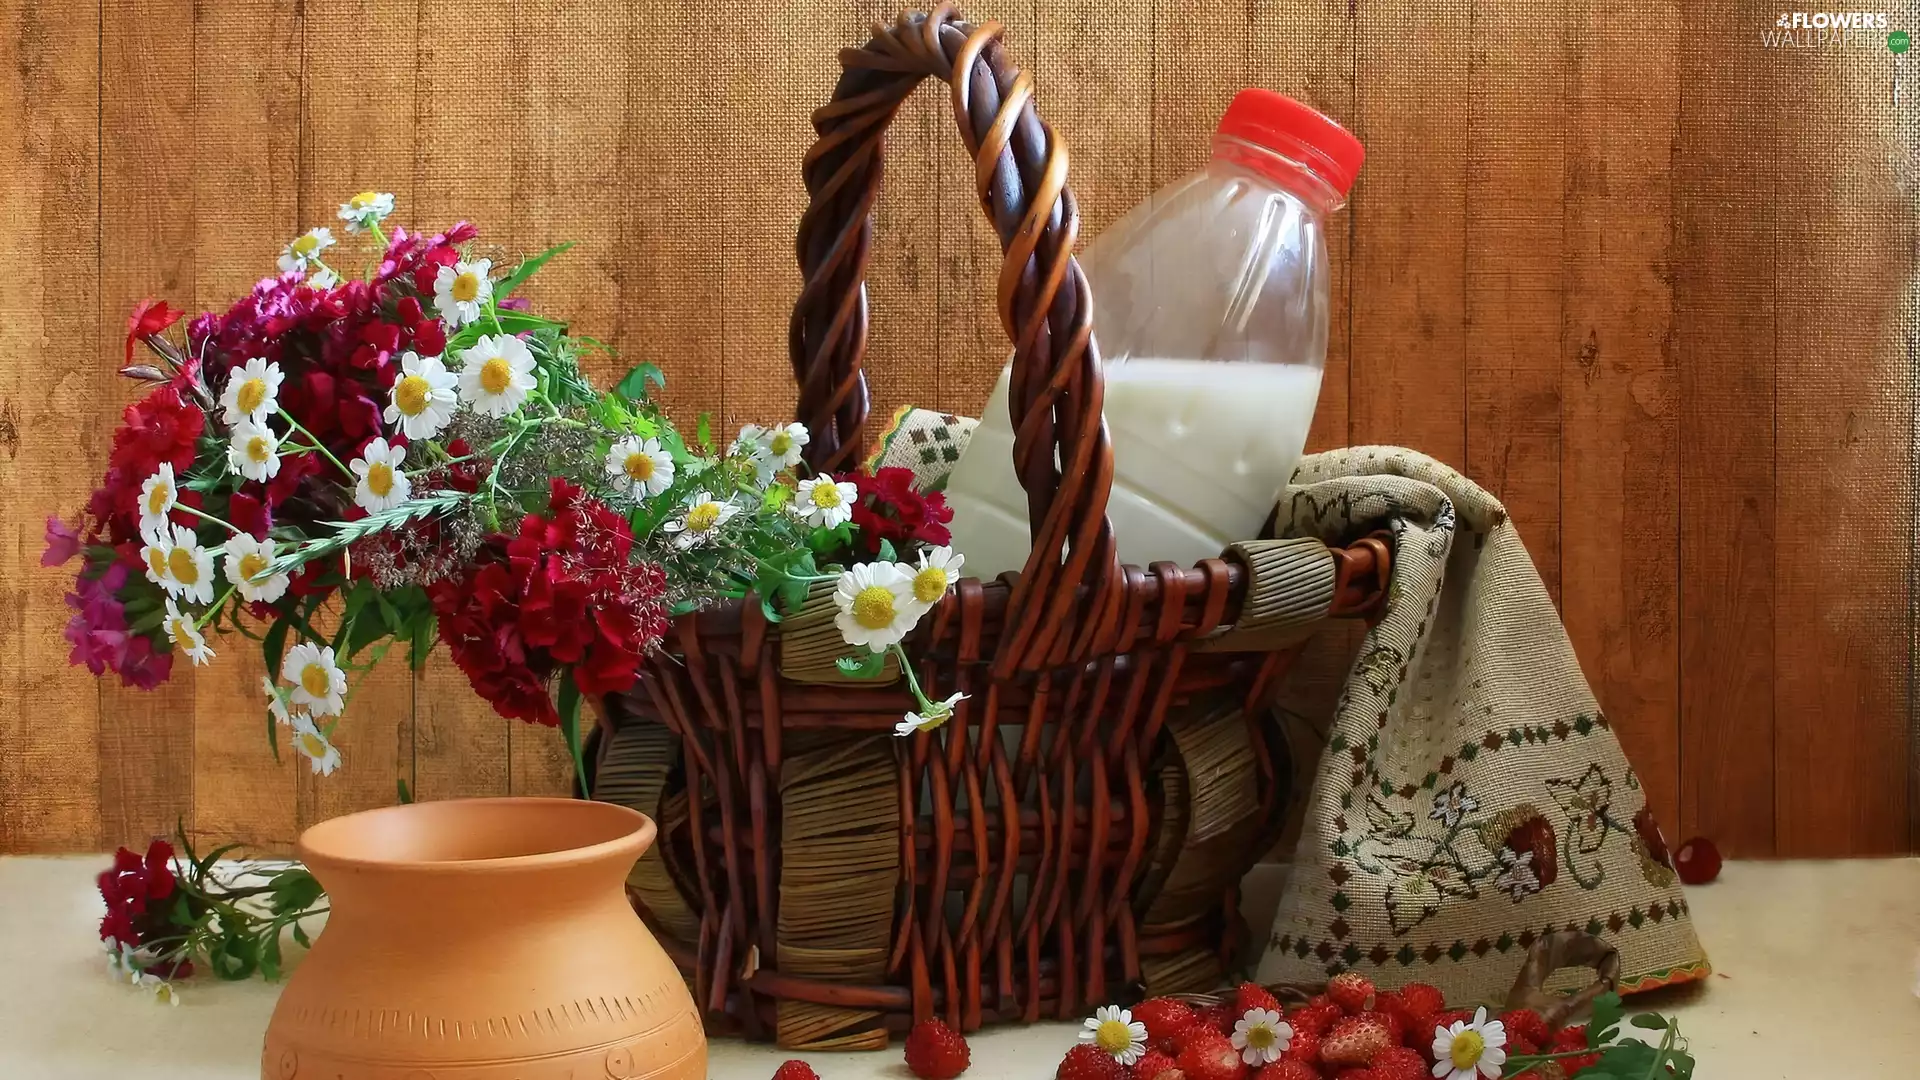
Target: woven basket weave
(1077, 830)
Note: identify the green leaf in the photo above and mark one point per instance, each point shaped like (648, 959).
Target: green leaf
(1605, 1023)
(300, 935)
(270, 952)
(1649, 1020)
(405, 795)
(420, 642)
(885, 553)
(868, 666)
(633, 387)
(294, 890)
(703, 432)
(526, 270)
(1629, 1058)
(570, 727)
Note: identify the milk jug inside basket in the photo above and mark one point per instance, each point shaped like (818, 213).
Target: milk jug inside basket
(1210, 308)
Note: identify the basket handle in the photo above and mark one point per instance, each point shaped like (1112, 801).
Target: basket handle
(1060, 449)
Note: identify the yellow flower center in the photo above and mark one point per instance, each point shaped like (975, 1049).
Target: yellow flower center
(466, 287)
(1113, 1037)
(312, 744)
(380, 478)
(1260, 1037)
(411, 395)
(826, 495)
(251, 564)
(703, 517)
(929, 584)
(639, 467)
(315, 680)
(496, 375)
(781, 443)
(259, 449)
(364, 200)
(158, 498)
(1467, 1048)
(182, 629)
(157, 562)
(252, 395)
(307, 245)
(873, 607)
(180, 565)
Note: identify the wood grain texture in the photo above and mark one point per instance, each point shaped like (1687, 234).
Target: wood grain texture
(1654, 287)
(1619, 478)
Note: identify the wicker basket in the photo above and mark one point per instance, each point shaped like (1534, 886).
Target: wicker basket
(1077, 831)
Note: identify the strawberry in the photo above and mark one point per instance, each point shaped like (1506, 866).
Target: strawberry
(1208, 1056)
(1422, 1000)
(1527, 1024)
(795, 1070)
(1399, 1063)
(1219, 1019)
(1088, 1062)
(936, 1051)
(1698, 861)
(1569, 1039)
(1314, 1018)
(1355, 1074)
(1167, 1021)
(1351, 991)
(1396, 1026)
(1288, 1069)
(1354, 1040)
(1154, 1065)
(1520, 1044)
(1252, 996)
(1304, 1048)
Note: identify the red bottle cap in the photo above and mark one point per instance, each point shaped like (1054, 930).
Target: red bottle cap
(1285, 126)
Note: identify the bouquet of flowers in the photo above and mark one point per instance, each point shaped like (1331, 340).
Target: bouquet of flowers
(339, 464)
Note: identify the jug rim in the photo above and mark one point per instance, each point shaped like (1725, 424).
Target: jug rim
(454, 835)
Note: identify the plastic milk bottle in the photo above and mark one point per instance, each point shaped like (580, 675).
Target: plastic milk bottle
(1210, 308)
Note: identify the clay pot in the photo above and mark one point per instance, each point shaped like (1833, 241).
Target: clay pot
(483, 939)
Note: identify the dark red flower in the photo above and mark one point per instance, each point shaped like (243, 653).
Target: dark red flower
(890, 509)
(149, 317)
(250, 515)
(135, 889)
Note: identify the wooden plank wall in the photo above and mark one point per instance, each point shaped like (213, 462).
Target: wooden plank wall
(1645, 278)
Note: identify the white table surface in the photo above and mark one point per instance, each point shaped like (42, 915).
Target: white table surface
(1815, 980)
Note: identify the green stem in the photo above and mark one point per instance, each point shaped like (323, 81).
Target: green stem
(913, 684)
(207, 616)
(373, 226)
(317, 445)
(204, 514)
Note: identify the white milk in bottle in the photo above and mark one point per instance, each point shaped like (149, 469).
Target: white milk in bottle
(1210, 308)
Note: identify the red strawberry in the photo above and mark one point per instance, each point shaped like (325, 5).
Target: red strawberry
(1166, 1020)
(1315, 1018)
(1527, 1024)
(936, 1051)
(1351, 991)
(1252, 996)
(1396, 1026)
(795, 1070)
(1354, 1040)
(1399, 1063)
(1697, 861)
(1569, 1039)
(1219, 1019)
(1355, 1074)
(1208, 1056)
(1154, 1065)
(1304, 1048)
(1288, 1070)
(1422, 1000)
(1088, 1062)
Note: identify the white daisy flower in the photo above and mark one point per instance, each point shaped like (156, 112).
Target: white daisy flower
(1450, 805)
(254, 451)
(314, 746)
(189, 567)
(785, 443)
(1468, 1049)
(423, 397)
(154, 555)
(703, 518)
(876, 605)
(252, 393)
(185, 635)
(276, 703)
(937, 572)
(1113, 1029)
(639, 466)
(382, 485)
(824, 501)
(934, 717)
(318, 682)
(158, 496)
(323, 279)
(495, 374)
(121, 958)
(162, 990)
(305, 249)
(246, 558)
(462, 291)
(751, 442)
(365, 210)
(1261, 1036)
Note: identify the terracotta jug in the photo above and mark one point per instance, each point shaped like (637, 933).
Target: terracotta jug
(483, 939)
